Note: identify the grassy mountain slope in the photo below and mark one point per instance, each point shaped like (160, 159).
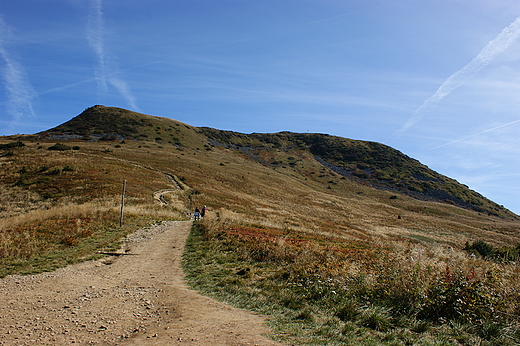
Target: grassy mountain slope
(367, 163)
(341, 241)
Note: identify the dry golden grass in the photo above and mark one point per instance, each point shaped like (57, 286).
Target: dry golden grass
(68, 210)
(60, 203)
(305, 198)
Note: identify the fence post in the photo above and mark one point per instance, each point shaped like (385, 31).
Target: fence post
(122, 204)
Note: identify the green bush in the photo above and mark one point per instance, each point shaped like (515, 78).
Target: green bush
(461, 296)
(59, 147)
(11, 145)
(485, 250)
(480, 247)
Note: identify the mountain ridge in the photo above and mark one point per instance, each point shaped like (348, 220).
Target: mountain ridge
(368, 163)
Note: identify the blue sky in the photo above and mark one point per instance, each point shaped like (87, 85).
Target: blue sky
(438, 80)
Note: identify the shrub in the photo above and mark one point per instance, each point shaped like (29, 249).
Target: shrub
(461, 296)
(59, 147)
(12, 145)
(507, 254)
(485, 250)
(480, 247)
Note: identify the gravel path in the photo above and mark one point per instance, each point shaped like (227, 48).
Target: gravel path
(137, 298)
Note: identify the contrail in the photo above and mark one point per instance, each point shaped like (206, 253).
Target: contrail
(104, 70)
(476, 134)
(124, 90)
(19, 90)
(95, 32)
(498, 45)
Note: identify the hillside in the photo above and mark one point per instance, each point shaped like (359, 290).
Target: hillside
(368, 163)
(339, 241)
(99, 123)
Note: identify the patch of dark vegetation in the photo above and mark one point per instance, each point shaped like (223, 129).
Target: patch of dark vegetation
(488, 251)
(11, 145)
(59, 147)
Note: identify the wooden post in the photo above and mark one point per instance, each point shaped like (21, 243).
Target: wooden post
(122, 204)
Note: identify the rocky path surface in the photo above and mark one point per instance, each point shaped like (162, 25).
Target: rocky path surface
(136, 298)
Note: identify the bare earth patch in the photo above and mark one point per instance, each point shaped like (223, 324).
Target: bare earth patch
(137, 298)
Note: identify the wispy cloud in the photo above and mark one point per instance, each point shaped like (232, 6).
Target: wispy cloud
(106, 71)
(124, 90)
(494, 48)
(95, 38)
(476, 134)
(19, 90)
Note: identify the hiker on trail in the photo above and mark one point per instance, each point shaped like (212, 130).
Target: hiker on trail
(203, 212)
(196, 216)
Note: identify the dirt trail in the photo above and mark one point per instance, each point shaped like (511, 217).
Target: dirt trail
(137, 298)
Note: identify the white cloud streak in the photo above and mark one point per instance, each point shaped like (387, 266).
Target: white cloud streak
(124, 90)
(494, 48)
(105, 70)
(476, 134)
(95, 38)
(19, 90)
